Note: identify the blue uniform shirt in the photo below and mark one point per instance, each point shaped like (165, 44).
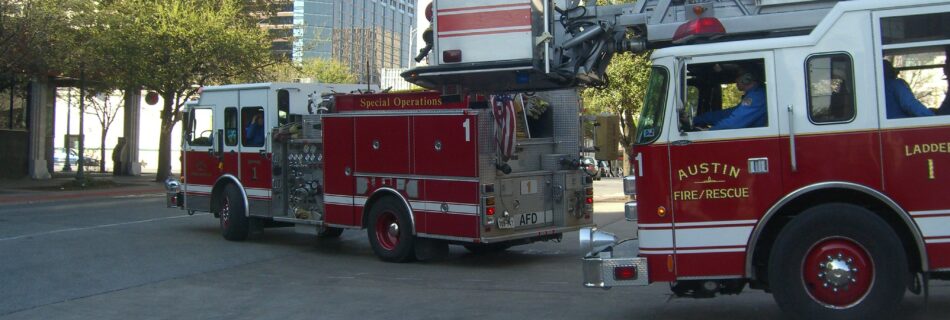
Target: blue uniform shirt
(900, 101)
(945, 106)
(254, 134)
(750, 112)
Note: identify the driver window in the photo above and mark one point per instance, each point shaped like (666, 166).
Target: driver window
(253, 126)
(725, 95)
(200, 129)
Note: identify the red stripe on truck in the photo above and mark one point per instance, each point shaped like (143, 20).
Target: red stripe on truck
(484, 20)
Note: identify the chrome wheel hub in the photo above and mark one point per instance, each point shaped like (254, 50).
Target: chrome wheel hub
(837, 272)
(394, 229)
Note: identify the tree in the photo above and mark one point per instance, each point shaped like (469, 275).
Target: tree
(623, 95)
(318, 69)
(173, 47)
(105, 111)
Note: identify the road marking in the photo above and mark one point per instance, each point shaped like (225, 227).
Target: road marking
(96, 227)
(408, 279)
(335, 277)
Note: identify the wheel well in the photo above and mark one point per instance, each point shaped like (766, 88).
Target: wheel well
(793, 208)
(379, 195)
(217, 191)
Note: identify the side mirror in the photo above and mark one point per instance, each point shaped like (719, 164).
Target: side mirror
(685, 120)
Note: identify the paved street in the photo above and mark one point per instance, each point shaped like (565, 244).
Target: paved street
(127, 257)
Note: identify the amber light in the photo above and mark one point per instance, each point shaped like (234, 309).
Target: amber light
(661, 211)
(625, 273)
(698, 10)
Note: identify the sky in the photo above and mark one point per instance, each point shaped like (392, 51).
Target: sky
(421, 23)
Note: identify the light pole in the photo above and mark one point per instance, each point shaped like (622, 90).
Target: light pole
(69, 103)
(80, 176)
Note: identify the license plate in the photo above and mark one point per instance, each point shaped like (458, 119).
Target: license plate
(527, 219)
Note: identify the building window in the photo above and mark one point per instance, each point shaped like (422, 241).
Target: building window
(830, 88)
(13, 105)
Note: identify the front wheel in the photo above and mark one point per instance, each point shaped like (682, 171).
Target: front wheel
(838, 261)
(232, 214)
(390, 231)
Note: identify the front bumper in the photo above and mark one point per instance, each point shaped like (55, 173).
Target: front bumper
(615, 266)
(174, 199)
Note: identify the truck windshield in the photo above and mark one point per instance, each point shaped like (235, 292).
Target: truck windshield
(651, 117)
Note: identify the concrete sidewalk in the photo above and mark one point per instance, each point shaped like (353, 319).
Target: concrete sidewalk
(22, 191)
(609, 190)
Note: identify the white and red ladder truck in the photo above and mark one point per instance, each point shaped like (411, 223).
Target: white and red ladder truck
(835, 201)
(417, 170)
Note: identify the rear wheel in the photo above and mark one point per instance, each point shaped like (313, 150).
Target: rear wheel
(838, 261)
(390, 231)
(232, 214)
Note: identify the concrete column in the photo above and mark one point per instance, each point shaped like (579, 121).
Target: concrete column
(133, 105)
(40, 121)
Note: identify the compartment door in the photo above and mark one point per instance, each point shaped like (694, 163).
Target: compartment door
(338, 170)
(445, 145)
(381, 145)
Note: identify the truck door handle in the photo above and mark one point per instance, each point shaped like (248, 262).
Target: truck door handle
(680, 143)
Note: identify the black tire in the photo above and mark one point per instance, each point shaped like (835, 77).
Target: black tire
(232, 214)
(870, 272)
(329, 232)
(486, 248)
(390, 231)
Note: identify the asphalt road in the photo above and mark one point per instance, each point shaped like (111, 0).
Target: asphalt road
(129, 258)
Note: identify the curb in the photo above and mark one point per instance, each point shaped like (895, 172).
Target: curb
(56, 196)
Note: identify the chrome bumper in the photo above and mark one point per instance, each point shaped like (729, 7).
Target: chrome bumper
(599, 272)
(173, 196)
(173, 199)
(609, 263)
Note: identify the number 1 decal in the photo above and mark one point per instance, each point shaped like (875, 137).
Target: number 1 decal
(468, 132)
(639, 159)
(930, 165)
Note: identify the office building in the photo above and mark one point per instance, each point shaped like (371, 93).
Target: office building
(366, 35)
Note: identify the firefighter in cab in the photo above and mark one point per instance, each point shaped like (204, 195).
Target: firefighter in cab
(749, 113)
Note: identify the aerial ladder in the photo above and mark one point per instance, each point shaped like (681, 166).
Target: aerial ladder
(528, 45)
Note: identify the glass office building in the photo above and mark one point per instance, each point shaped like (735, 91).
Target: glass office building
(367, 35)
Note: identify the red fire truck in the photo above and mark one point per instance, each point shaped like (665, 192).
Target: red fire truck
(417, 170)
(831, 193)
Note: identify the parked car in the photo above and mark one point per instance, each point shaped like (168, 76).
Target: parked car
(589, 165)
(59, 159)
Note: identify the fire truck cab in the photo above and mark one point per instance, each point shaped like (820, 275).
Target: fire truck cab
(417, 170)
(817, 183)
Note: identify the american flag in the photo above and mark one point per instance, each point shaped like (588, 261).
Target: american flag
(503, 109)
